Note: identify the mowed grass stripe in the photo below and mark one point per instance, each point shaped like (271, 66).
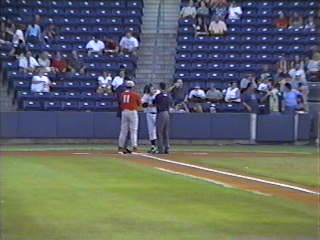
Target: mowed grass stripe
(103, 198)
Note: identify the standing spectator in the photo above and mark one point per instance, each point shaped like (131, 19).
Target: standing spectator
(33, 34)
(118, 80)
(130, 104)
(149, 94)
(235, 11)
(298, 75)
(313, 68)
(18, 35)
(290, 99)
(250, 99)
(112, 46)
(202, 17)
(18, 49)
(310, 24)
(50, 33)
(219, 10)
(104, 83)
(266, 73)
(27, 62)
(10, 29)
(178, 92)
(188, 11)
(59, 64)
(95, 46)
(163, 102)
(233, 93)
(214, 95)
(297, 60)
(250, 78)
(76, 64)
(296, 21)
(282, 22)
(217, 27)
(273, 99)
(264, 85)
(282, 65)
(40, 83)
(129, 44)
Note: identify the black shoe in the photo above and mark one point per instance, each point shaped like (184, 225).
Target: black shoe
(127, 151)
(152, 150)
(166, 151)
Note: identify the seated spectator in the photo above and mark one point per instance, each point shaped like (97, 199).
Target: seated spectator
(214, 94)
(33, 34)
(297, 60)
(50, 33)
(282, 65)
(27, 62)
(313, 68)
(290, 99)
(188, 11)
(250, 78)
(196, 96)
(178, 92)
(282, 22)
(310, 24)
(129, 44)
(296, 21)
(217, 27)
(45, 61)
(181, 108)
(18, 35)
(235, 11)
(232, 93)
(76, 64)
(202, 17)
(112, 46)
(298, 75)
(118, 80)
(39, 82)
(59, 64)
(95, 46)
(18, 49)
(104, 83)
(250, 99)
(10, 29)
(219, 10)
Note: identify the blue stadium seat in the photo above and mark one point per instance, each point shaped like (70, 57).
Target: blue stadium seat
(31, 105)
(52, 106)
(70, 106)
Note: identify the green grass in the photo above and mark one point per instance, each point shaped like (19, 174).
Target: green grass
(94, 198)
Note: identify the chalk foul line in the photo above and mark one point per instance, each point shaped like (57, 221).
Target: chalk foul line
(259, 180)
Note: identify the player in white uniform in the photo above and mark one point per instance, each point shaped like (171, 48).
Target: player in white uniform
(151, 113)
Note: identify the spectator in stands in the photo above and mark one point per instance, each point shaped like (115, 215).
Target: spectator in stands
(266, 73)
(250, 78)
(250, 99)
(95, 46)
(282, 22)
(45, 61)
(297, 60)
(40, 82)
(129, 44)
(310, 24)
(234, 11)
(298, 75)
(304, 91)
(10, 29)
(273, 99)
(290, 99)
(188, 11)
(282, 65)
(27, 63)
(296, 21)
(195, 98)
(217, 27)
(178, 92)
(76, 64)
(50, 33)
(232, 93)
(264, 85)
(213, 94)
(112, 46)
(59, 64)
(313, 68)
(118, 80)
(181, 108)
(104, 83)
(219, 10)
(33, 34)
(18, 49)
(18, 35)
(202, 17)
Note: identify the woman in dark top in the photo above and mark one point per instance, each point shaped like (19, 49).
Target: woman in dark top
(250, 99)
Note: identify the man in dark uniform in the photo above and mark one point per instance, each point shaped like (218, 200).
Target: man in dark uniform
(163, 102)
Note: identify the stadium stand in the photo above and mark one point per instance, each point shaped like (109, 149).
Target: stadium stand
(77, 22)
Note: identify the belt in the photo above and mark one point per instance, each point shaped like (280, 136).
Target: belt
(127, 110)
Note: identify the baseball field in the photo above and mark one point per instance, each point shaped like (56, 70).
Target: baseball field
(194, 193)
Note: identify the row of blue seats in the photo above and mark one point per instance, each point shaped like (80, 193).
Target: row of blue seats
(262, 49)
(73, 4)
(182, 31)
(36, 105)
(71, 12)
(264, 22)
(214, 76)
(216, 67)
(98, 29)
(248, 39)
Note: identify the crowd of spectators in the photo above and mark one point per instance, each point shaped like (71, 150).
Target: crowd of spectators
(19, 37)
(294, 22)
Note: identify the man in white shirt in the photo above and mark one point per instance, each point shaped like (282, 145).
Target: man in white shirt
(235, 11)
(118, 80)
(188, 11)
(195, 97)
(95, 46)
(40, 83)
(104, 82)
(298, 74)
(217, 27)
(129, 44)
(27, 62)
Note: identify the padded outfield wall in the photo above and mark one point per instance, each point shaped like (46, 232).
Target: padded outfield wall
(102, 125)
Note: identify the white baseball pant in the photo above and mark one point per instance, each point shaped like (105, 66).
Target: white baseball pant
(151, 124)
(129, 123)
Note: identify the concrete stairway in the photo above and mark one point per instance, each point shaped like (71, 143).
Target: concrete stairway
(158, 42)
